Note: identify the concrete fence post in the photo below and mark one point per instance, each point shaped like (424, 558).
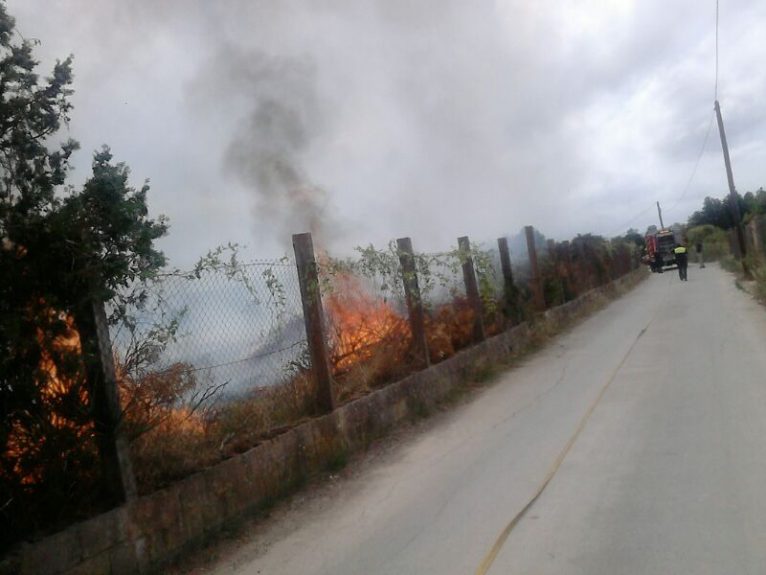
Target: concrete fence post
(117, 479)
(760, 224)
(565, 256)
(472, 288)
(551, 247)
(510, 293)
(414, 300)
(313, 316)
(553, 258)
(755, 228)
(752, 232)
(536, 280)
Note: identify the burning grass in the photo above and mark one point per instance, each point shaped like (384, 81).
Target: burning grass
(183, 444)
(369, 339)
(182, 440)
(63, 399)
(49, 465)
(370, 346)
(178, 424)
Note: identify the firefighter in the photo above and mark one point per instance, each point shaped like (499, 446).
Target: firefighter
(681, 261)
(700, 256)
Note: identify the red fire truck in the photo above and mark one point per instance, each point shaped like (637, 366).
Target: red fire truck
(659, 249)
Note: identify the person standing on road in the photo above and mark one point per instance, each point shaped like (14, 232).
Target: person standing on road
(700, 257)
(681, 261)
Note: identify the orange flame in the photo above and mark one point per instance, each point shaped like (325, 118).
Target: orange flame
(360, 323)
(54, 386)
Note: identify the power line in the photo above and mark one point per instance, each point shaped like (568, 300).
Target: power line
(696, 165)
(702, 148)
(626, 225)
(710, 125)
(716, 50)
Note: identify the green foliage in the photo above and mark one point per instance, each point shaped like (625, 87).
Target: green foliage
(755, 203)
(717, 212)
(714, 240)
(731, 264)
(59, 248)
(381, 268)
(590, 254)
(106, 233)
(224, 259)
(632, 236)
(489, 289)
(439, 275)
(759, 275)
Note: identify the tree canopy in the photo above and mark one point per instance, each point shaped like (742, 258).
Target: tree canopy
(717, 212)
(59, 247)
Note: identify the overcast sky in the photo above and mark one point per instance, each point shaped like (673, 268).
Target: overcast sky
(367, 120)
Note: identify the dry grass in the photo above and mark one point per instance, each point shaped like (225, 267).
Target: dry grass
(757, 286)
(182, 442)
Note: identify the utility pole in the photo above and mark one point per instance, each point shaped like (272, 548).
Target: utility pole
(733, 200)
(659, 212)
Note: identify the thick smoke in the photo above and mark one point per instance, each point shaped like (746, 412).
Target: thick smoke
(282, 119)
(432, 119)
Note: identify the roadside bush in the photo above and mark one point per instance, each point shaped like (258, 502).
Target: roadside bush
(715, 242)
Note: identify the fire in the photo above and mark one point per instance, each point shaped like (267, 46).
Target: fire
(449, 329)
(360, 324)
(54, 387)
(66, 343)
(371, 341)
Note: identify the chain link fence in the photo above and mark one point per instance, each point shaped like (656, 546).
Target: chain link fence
(367, 329)
(234, 329)
(211, 361)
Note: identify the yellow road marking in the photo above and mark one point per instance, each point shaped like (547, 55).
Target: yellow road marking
(490, 557)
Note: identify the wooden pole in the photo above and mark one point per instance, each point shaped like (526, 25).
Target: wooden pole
(510, 293)
(118, 481)
(536, 280)
(414, 301)
(472, 288)
(565, 255)
(554, 262)
(551, 246)
(758, 229)
(733, 199)
(313, 316)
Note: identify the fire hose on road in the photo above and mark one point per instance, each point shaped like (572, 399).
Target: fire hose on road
(489, 558)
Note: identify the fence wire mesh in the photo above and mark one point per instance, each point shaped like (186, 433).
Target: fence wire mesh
(233, 329)
(440, 277)
(234, 334)
(368, 333)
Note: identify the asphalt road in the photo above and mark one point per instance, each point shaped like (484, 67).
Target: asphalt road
(649, 419)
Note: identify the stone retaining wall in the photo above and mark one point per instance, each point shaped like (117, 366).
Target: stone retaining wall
(145, 534)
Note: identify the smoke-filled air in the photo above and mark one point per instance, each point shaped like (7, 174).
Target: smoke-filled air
(366, 121)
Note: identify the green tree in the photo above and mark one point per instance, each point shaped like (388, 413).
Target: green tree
(718, 212)
(633, 236)
(59, 247)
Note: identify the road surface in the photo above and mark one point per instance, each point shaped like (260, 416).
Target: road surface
(649, 419)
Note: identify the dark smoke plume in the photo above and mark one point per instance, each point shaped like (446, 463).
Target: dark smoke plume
(281, 119)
